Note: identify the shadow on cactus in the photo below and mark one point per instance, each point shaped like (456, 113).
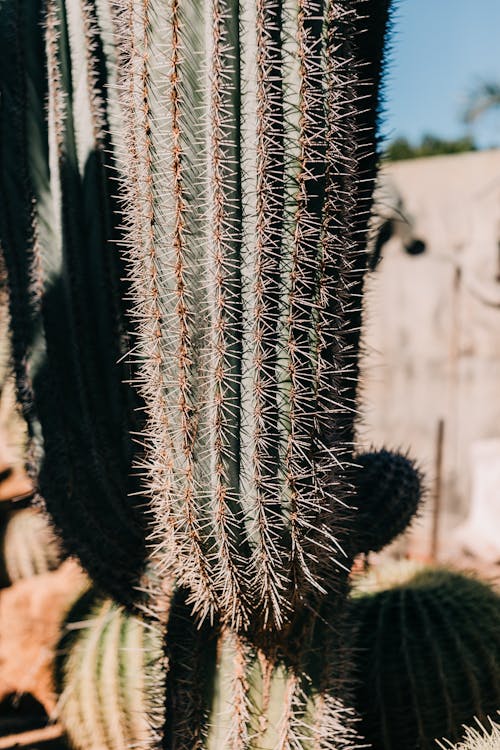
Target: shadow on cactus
(426, 647)
(59, 233)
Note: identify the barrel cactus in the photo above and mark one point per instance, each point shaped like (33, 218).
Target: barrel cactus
(425, 666)
(28, 545)
(485, 737)
(107, 677)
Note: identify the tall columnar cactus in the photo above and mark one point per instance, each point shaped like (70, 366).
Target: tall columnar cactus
(250, 151)
(427, 652)
(28, 546)
(222, 691)
(59, 233)
(249, 164)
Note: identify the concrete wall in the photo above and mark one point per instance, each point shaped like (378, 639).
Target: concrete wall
(433, 320)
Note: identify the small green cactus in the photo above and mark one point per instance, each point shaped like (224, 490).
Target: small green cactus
(481, 737)
(388, 495)
(107, 679)
(426, 645)
(28, 546)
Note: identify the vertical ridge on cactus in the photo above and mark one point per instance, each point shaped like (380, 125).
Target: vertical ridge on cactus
(423, 668)
(246, 262)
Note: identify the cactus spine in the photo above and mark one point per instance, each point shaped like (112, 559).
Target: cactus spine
(478, 738)
(248, 179)
(424, 667)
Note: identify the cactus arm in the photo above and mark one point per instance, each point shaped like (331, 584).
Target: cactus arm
(65, 287)
(241, 258)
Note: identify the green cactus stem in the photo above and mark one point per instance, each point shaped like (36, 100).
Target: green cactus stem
(424, 666)
(28, 546)
(59, 237)
(249, 165)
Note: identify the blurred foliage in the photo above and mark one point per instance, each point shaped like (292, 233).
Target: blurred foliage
(430, 145)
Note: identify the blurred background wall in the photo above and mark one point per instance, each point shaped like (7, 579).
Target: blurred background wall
(433, 324)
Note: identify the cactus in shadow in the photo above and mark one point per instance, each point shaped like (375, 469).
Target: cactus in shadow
(481, 737)
(426, 646)
(59, 233)
(28, 546)
(248, 170)
(223, 691)
(388, 495)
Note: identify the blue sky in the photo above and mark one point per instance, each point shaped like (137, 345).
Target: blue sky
(441, 48)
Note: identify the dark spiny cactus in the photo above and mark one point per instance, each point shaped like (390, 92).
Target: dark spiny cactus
(427, 651)
(388, 496)
(58, 234)
(249, 165)
(28, 546)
